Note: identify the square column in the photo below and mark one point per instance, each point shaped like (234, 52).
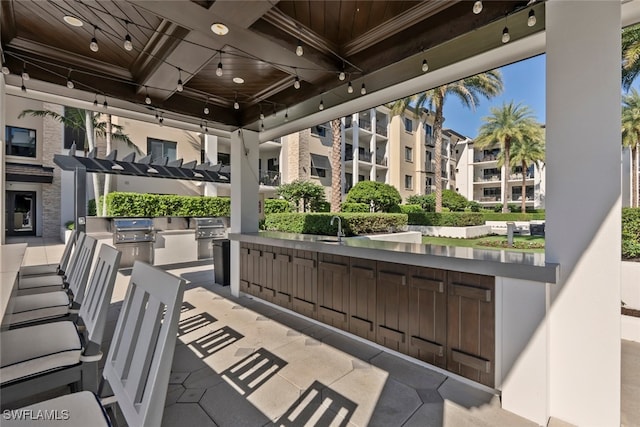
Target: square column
(244, 194)
(3, 181)
(211, 156)
(583, 214)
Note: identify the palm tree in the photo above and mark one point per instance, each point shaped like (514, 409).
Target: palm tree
(631, 136)
(630, 55)
(336, 166)
(88, 122)
(468, 91)
(524, 153)
(507, 125)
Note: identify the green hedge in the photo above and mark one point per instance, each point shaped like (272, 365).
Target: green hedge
(514, 216)
(630, 233)
(272, 206)
(447, 219)
(354, 207)
(406, 209)
(319, 223)
(153, 205)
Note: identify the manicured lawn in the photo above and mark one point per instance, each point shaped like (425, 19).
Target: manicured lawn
(521, 243)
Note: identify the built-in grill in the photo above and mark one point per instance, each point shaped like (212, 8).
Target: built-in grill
(134, 237)
(206, 231)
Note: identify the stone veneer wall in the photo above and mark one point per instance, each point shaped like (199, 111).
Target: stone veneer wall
(299, 158)
(52, 143)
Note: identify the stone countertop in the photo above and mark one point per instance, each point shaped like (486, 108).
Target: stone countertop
(513, 264)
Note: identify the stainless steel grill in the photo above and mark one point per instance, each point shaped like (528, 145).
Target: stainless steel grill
(134, 237)
(206, 231)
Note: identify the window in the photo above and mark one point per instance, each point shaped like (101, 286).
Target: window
(408, 154)
(319, 130)
(428, 130)
(516, 193)
(408, 124)
(224, 158)
(20, 142)
(491, 192)
(408, 182)
(321, 173)
(158, 149)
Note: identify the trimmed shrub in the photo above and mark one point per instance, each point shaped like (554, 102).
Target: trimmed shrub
(384, 196)
(405, 209)
(630, 233)
(320, 223)
(320, 206)
(474, 206)
(446, 219)
(91, 207)
(355, 207)
(276, 206)
(495, 216)
(456, 202)
(426, 201)
(154, 205)
(303, 195)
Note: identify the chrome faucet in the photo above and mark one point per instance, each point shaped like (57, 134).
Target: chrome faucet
(340, 235)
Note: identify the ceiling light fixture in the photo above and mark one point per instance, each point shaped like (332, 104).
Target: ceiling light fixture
(349, 87)
(505, 31)
(238, 80)
(72, 20)
(70, 84)
(104, 104)
(219, 69)
(342, 76)
(425, 66)
(261, 113)
(180, 86)
(147, 99)
(25, 75)
(296, 82)
(262, 126)
(477, 7)
(363, 90)
(321, 106)
(219, 29)
(206, 108)
(23, 87)
(531, 21)
(95, 101)
(94, 42)
(128, 46)
(236, 105)
(299, 49)
(286, 115)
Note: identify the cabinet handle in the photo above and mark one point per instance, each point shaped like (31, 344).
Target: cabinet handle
(461, 290)
(393, 277)
(471, 361)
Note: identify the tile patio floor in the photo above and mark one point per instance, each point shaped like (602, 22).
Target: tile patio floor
(240, 362)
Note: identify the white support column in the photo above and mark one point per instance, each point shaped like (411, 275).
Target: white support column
(355, 166)
(3, 183)
(583, 214)
(244, 194)
(211, 156)
(372, 146)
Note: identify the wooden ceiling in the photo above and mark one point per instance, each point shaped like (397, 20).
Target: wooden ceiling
(173, 40)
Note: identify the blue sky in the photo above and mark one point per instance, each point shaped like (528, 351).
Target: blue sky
(524, 82)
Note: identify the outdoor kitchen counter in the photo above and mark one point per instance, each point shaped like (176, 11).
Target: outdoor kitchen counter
(517, 265)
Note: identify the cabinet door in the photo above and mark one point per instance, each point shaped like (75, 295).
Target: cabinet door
(244, 267)
(305, 289)
(283, 276)
(333, 290)
(253, 259)
(393, 299)
(362, 298)
(428, 315)
(267, 264)
(471, 326)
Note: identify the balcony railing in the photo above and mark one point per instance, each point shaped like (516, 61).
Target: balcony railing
(430, 141)
(430, 167)
(363, 156)
(487, 158)
(487, 178)
(518, 176)
(490, 198)
(365, 124)
(381, 161)
(269, 178)
(381, 129)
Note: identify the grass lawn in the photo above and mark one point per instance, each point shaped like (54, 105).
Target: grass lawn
(521, 243)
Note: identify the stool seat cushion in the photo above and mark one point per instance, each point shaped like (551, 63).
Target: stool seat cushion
(29, 308)
(36, 349)
(76, 409)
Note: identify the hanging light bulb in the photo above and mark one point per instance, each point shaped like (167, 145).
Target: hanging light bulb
(425, 66)
(94, 42)
(95, 101)
(161, 121)
(477, 7)
(321, 106)
(104, 104)
(296, 83)
(219, 70)
(261, 113)
(147, 99)
(157, 115)
(70, 84)
(23, 87)
(262, 126)
(299, 49)
(180, 86)
(5, 69)
(342, 76)
(206, 110)
(286, 116)
(531, 21)
(363, 90)
(236, 106)
(128, 46)
(505, 35)
(25, 75)
(349, 88)
(201, 125)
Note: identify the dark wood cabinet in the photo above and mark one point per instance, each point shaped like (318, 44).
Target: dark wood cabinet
(471, 326)
(428, 315)
(333, 290)
(267, 264)
(282, 276)
(362, 298)
(393, 300)
(304, 281)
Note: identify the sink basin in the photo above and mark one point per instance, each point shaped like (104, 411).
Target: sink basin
(334, 241)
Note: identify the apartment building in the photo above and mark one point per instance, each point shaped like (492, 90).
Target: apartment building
(480, 178)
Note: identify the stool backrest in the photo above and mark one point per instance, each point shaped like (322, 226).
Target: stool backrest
(139, 360)
(79, 274)
(66, 254)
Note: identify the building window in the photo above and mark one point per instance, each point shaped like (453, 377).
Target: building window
(408, 124)
(491, 192)
(224, 158)
(321, 173)
(319, 130)
(516, 193)
(158, 149)
(408, 154)
(20, 142)
(408, 182)
(428, 130)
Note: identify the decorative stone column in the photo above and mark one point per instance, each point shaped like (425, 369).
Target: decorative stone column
(52, 143)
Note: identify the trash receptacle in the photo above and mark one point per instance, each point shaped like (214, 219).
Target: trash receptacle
(221, 261)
